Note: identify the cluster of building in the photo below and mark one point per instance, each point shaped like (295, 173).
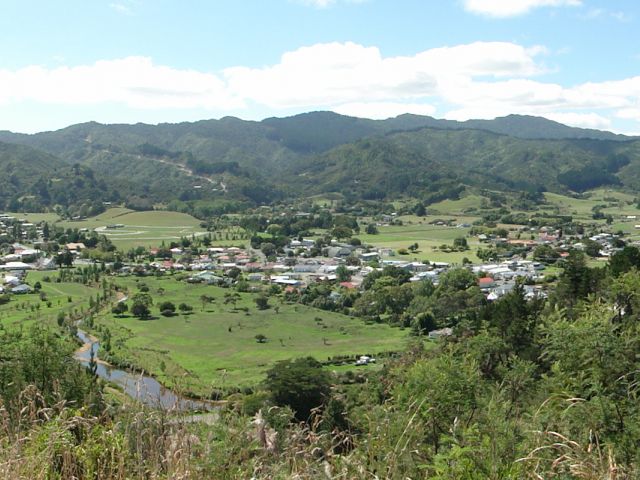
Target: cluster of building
(301, 265)
(295, 270)
(13, 282)
(9, 222)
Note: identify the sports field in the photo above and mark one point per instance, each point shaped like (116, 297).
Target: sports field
(127, 228)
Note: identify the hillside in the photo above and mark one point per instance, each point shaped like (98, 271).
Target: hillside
(33, 180)
(271, 143)
(219, 165)
(426, 161)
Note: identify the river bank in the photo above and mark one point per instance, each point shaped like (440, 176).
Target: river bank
(142, 388)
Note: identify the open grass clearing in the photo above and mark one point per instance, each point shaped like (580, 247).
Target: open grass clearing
(427, 236)
(215, 346)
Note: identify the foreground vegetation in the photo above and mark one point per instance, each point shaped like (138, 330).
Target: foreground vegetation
(523, 389)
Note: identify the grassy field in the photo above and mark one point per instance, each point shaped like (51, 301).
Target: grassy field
(456, 207)
(148, 229)
(24, 310)
(215, 346)
(616, 203)
(428, 237)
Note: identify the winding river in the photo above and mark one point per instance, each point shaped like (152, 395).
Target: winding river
(146, 390)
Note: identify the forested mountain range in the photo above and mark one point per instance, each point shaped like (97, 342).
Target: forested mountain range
(223, 164)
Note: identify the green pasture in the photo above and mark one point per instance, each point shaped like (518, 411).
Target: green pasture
(24, 310)
(428, 237)
(455, 207)
(215, 346)
(618, 204)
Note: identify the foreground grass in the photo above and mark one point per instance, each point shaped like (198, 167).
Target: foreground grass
(215, 346)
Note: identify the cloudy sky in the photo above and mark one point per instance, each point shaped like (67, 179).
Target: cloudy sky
(153, 61)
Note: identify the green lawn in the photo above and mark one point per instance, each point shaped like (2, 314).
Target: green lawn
(215, 347)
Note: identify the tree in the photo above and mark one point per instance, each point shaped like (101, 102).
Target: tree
(234, 273)
(343, 274)
(140, 310)
(591, 248)
(231, 298)
(184, 308)
(262, 302)
(460, 243)
(576, 281)
(371, 229)
(341, 232)
(167, 308)
(301, 384)
(454, 389)
(119, 309)
(268, 249)
(64, 258)
(141, 303)
(545, 253)
(420, 210)
(624, 260)
(423, 323)
(205, 300)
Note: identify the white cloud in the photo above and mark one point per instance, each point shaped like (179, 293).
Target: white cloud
(317, 3)
(632, 113)
(621, 16)
(132, 81)
(320, 4)
(382, 110)
(476, 80)
(597, 13)
(334, 73)
(121, 8)
(512, 8)
(582, 120)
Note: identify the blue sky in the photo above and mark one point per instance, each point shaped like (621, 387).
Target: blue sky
(153, 61)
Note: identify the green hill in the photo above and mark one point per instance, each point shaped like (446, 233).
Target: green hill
(232, 162)
(33, 180)
(426, 161)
